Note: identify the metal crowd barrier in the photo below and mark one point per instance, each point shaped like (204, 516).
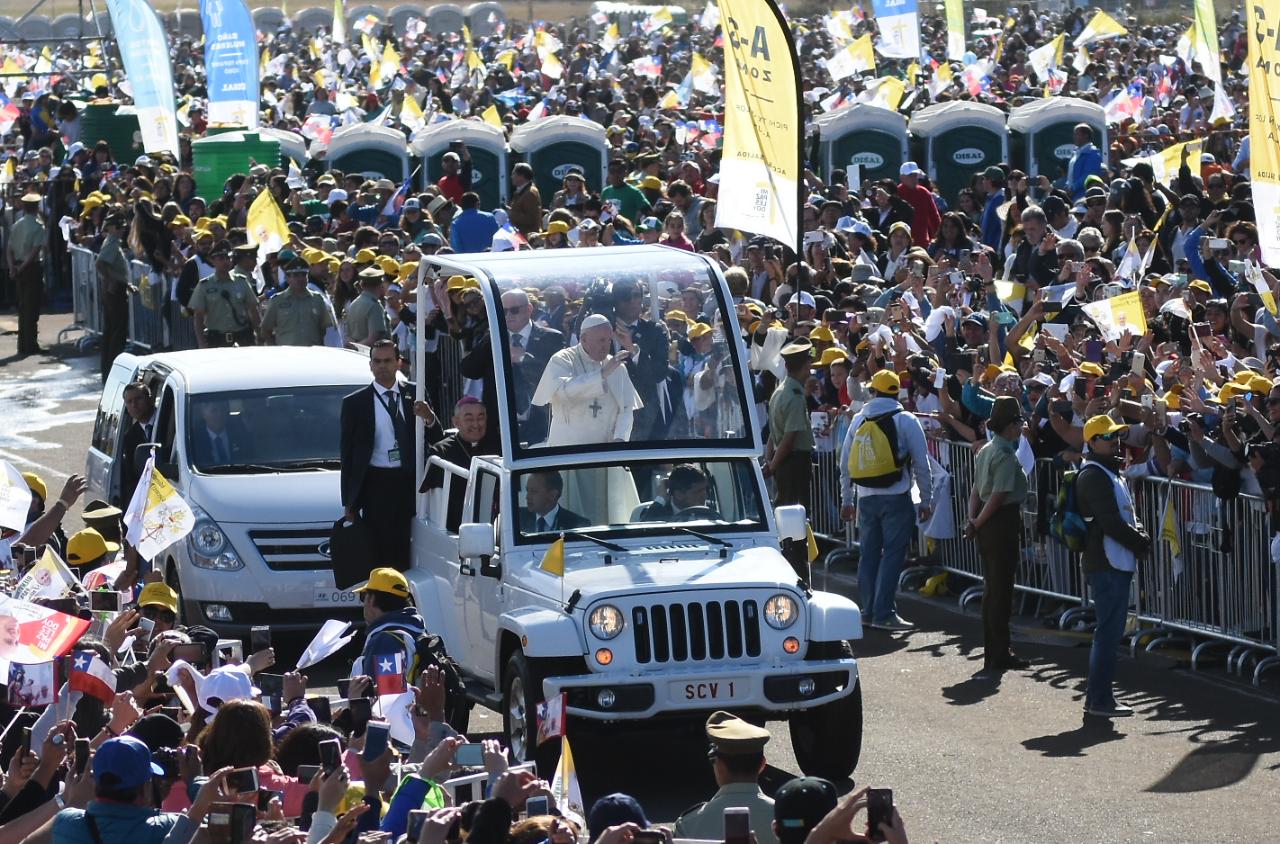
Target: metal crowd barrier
(1219, 592)
(86, 305)
(148, 303)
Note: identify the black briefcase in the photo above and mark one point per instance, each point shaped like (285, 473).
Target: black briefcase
(349, 550)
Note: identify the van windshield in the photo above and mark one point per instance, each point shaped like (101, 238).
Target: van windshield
(273, 430)
(699, 495)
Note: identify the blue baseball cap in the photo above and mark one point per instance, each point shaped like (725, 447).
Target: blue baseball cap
(124, 762)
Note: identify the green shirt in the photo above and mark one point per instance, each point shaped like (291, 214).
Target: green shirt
(113, 267)
(364, 316)
(997, 470)
(226, 302)
(26, 236)
(788, 412)
(631, 201)
(297, 320)
(706, 822)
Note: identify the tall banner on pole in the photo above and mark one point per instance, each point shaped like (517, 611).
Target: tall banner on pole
(1264, 134)
(760, 171)
(899, 25)
(1208, 53)
(955, 30)
(145, 52)
(230, 62)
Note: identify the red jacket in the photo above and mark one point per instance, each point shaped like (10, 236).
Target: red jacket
(926, 220)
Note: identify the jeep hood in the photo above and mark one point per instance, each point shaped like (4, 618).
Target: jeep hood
(285, 498)
(586, 571)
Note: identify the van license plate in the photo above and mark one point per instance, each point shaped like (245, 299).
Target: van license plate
(724, 688)
(331, 596)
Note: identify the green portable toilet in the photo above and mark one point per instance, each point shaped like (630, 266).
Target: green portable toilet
(959, 139)
(865, 134)
(293, 147)
(377, 152)
(1041, 134)
(215, 158)
(554, 145)
(115, 124)
(487, 145)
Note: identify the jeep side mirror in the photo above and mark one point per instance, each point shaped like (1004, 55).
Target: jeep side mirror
(475, 540)
(793, 522)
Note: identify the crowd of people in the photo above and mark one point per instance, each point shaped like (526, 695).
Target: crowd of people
(1115, 315)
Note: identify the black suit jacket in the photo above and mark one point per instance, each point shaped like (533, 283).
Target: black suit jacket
(238, 437)
(131, 469)
(543, 343)
(655, 511)
(565, 520)
(357, 423)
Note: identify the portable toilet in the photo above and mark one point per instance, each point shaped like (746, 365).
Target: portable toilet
(116, 124)
(215, 158)
(184, 23)
(445, 18)
(68, 27)
(293, 147)
(269, 19)
(374, 151)
(959, 139)
(485, 18)
(309, 20)
(555, 144)
(487, 145)
(35, 27)
(400, 17)
(1041, 133)
(362, 13)
(865, 134)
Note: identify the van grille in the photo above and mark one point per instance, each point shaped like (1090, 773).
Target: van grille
(709, 630)
(293, 550)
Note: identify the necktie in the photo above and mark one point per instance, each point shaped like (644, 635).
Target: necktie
(219, 449)
(517, 341)
(146, 432)
(542, 525)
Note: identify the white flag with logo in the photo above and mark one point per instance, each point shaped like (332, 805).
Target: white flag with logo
(157, 516)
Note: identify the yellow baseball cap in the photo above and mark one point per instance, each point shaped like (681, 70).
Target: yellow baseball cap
(333, 264)
(676, 315)
(158, 595)
(557, 227)
(830, 356)
(389, 265)
(886, 381)
(386, 580)
(1201, 285)
(37, 484)
(408, 268)
(88, 546)
(1100, 426)
(822, 334)
(456, 282)
(1091, 368)
(699, 329)
(365, 256)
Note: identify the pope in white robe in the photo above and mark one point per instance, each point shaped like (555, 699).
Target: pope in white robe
(590, 392)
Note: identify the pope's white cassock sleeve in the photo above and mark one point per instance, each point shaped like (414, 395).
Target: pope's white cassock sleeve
(586, 407)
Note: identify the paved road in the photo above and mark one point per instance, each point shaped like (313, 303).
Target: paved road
(968, 761)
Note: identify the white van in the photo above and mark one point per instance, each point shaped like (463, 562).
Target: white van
(259, 551)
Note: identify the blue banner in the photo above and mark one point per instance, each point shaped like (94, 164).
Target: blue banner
(149, 72)
(230, 62)
(899, 25)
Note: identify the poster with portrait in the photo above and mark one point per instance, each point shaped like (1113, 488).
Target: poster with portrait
(30, 633)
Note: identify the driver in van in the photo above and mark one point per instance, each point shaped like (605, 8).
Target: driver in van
(222, 439)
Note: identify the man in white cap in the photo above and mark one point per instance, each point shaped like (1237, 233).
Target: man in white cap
(589, 390)
(27, 239)
(926, 221)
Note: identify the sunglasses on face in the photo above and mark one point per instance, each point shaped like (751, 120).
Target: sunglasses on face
(156, 613)
(1108, 437)
(516, 311)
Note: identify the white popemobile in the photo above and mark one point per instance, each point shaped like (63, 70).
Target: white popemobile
(675, 598)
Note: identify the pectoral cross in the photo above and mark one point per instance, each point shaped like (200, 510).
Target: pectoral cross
(596, 407)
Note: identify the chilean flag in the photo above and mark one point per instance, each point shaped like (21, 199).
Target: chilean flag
(89, 674)
(388, 674)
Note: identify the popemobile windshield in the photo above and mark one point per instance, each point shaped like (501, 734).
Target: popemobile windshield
(620, 418)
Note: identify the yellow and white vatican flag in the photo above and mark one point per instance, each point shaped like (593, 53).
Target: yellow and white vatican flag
(565, 786)
(157, 516)
(760, 172)
(858, 57)
(266, 227)
(1100, 27)
(1264, 135)
(955, 30)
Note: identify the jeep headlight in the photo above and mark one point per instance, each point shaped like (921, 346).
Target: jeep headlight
(780, 612)
(606, 621)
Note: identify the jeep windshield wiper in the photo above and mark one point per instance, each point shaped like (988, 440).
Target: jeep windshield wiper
(706, 537)
(238, 469)
(611, 546)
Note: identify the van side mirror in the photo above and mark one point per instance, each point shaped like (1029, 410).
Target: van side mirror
(475, 540)
(793, 522)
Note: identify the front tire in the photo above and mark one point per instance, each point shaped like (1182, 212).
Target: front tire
(827, 739)
(521, 694)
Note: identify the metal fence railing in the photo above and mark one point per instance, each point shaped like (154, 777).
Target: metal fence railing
(1218, 592)
(86, 307)
(148, 305)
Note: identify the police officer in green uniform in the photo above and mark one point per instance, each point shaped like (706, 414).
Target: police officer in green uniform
(113, 278)
(298, 316)
(225, 306)
(788, 456)
(27, 239)
(737, 758)
(366, 317)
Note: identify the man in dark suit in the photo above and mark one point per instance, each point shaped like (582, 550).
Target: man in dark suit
(222, 439)
(542, 512)
(377, 448)
(647, 342)
(530, 347)
(141, 408)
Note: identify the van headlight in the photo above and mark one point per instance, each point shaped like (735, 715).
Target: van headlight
(210, 548)
(606, 621)
(780, 612)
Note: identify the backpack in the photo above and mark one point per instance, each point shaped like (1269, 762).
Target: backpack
(873, 456)
(1067, 524)
(425, 649)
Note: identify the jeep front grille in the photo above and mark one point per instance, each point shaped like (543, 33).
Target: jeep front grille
(712, 630)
